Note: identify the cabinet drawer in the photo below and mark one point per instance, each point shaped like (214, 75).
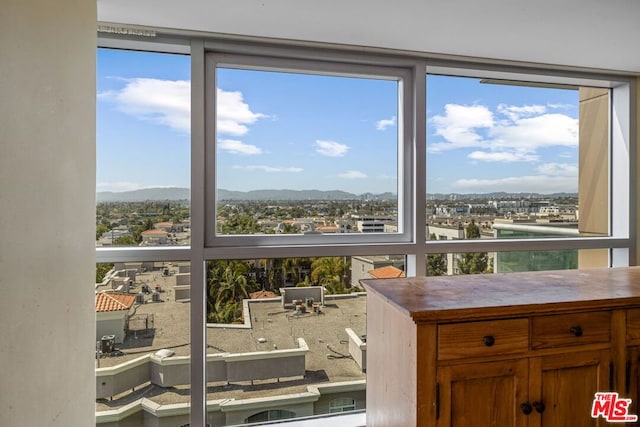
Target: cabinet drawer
(570, 329)
(633, 326)
(487, 338)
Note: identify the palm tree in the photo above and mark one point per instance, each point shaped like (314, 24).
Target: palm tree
(228, 285)
(330, 272)
(273, 270)
(291, 268)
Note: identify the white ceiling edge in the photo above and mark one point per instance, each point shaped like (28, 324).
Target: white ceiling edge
(592, 34)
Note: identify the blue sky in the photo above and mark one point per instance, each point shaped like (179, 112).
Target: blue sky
(295, 131)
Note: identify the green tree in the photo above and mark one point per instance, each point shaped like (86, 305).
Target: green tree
(291, 268)
(101, 270)
(240, 224)
(273, 272)
(436, 263)
(228, 284)
(330, 272)
(473, 262)
(128, 240)
(100, 230)
(288, 228)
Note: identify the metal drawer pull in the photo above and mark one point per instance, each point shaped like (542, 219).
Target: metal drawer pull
(526, 408)
(488, 340)
(576, 330)
(540, 407)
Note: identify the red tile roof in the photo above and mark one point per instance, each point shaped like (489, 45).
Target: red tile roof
(262, 294)
(386, 272)
(154, 233)
(327, 228)
(113, 301)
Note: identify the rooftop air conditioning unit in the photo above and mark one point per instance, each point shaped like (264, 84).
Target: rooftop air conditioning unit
(107, 344)
(155, 296)
(139, 298)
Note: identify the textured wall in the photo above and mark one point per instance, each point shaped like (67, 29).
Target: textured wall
(47, 200)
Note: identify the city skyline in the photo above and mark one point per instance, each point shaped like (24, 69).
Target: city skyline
(301, 132)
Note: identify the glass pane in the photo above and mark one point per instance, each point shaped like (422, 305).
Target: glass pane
(143, 149)
(485, 262)
(527, 160)
(301, 153)
(282, 325)
(142, 339)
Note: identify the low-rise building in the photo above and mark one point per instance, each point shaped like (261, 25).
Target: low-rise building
(154, 237)
(281, 362)
(112, 309)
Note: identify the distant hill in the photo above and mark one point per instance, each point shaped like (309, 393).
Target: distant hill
(299, 195)
(154, 194)
(498, 195)
(175, 193)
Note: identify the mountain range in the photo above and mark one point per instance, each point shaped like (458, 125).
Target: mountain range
(175, 193)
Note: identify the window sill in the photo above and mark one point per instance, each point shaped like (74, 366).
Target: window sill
(352, 419)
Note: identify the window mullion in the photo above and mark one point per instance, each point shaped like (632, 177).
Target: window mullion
(198, 293)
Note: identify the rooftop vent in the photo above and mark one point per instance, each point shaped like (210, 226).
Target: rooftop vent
(155, 296)
(139, 298)
(165, 352)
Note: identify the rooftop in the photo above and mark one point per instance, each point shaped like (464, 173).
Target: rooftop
(113, 301)
(154, 233)
(386, 272)
(268, 327)
(263, 294)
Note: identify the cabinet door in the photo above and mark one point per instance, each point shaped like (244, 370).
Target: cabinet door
(631, 387)
(483, 394)
(563, 388)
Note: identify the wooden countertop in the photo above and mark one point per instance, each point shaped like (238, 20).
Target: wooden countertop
(474, 297)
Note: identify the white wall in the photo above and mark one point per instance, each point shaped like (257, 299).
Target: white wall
(47, 205)
(585, 33)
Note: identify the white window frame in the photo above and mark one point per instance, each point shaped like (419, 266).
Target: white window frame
(374, 69)
(413, 243)
(622, 198)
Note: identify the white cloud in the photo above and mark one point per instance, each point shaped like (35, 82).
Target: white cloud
(353, 175)
(238, 147)
(385, 123)
(513, 133)
(502, 156)
(550, 178)
(558, 169)
(270, 169)
(459, 126)
(531, 183)
(168, 102)
(117, 186)
(331, 148)
(532, 133)
(234, 114)
(515, 112)
(561, 106)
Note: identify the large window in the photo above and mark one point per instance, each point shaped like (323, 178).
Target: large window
(307, 152)
(143, 149)
(298, 161)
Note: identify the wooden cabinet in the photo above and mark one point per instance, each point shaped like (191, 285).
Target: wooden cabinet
(487, 394)
(565, 384)
(524, 349)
